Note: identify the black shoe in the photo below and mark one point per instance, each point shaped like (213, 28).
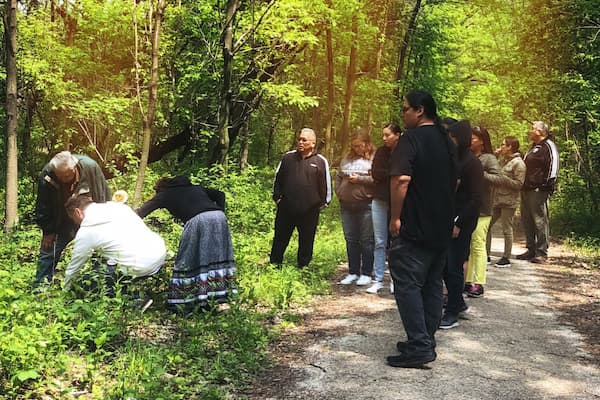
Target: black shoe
(402, 346)
(467, 288)
(462, 314)
(538, 260)
(406, 360)
(449, 321)
(525, 256)
(503, 263)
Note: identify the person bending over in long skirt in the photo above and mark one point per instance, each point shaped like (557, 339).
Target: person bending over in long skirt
(204, 270)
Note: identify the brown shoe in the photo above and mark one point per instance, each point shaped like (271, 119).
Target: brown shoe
(526, 256)
(538, 260)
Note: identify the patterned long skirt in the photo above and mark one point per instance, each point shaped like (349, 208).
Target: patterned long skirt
(204, 271)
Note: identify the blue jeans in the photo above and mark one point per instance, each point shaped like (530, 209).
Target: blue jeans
(380, 212)
(358, 231)
(417, 273)
(47, 260)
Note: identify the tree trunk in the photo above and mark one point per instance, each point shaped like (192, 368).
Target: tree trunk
(350, 81)
(12, 171)
(404, 47)
(244, 143)
(329, 145)
(226, 96)
(152, 88)
(378, 56)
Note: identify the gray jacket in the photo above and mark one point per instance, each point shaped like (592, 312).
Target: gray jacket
(507, 185)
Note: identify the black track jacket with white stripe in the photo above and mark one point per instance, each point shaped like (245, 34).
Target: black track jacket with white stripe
(302, 184)
(542, 167)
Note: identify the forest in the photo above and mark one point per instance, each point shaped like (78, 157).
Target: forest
(217, 90)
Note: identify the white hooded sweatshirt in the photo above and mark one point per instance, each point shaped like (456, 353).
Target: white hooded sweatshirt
(116, 232)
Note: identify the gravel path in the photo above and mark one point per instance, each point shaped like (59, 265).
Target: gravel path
(510, 347)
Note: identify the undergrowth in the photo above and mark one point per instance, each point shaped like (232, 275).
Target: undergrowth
(76, 344)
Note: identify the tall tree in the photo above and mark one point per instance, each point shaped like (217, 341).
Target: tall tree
(152, 97)
(10, 34)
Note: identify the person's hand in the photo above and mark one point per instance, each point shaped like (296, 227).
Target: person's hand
(353, 178)
(455, 232)
(394, 227)
(48, 241)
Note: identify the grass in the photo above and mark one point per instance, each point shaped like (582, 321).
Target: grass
(65, 345)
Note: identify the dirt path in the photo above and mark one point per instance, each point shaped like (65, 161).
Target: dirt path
(515, 345)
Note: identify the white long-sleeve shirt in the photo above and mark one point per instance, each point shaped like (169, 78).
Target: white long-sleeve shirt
(116, 232)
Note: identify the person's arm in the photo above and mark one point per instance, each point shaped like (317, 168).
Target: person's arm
(45, 212)
(503, 180)
(398, 189)
(325, 183)
(149, 206)
(277, 191)
(82, 251)
(472, 184)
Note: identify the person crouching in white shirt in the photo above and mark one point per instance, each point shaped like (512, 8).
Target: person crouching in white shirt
(116, 232)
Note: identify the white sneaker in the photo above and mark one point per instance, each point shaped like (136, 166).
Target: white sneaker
(391, 286)
(349, 279)
(363, 280)
(375, 288)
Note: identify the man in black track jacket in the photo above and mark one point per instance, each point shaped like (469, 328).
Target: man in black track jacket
(541, 174)
(302, 188)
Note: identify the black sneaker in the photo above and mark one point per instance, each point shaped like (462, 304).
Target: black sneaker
(449, 321)
(467, 288)
(405, 360)
(503, 263)
(402, 346)
(525, 256)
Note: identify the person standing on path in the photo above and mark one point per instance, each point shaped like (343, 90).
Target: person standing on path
(476, 275)
(540, 181)
(506, 195)
(354, 189)
(468, 201)
(380, 207)
(422, 191)
(64, 176)
(301, 189)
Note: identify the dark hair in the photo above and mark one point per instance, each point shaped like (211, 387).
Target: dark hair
(362, 135)
(513, 143)
(81, 202)
(418, 99)
(484, 136)
(162, 183)
(394, 128)
(448, 121)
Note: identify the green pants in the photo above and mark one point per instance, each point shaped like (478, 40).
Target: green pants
(505, 215)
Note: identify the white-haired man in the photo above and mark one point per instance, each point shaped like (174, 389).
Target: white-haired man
(541, 163)
(64, 176)
(302, 187)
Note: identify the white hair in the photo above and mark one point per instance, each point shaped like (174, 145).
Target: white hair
(309, 131)
(541, 126)
(63, 160)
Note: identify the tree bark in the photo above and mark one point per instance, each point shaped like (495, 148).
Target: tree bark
(404, 47)
(152, 89)
(244, 143)
(378, 57)
(350, 81)
(226, 96)
(329, 142)
(12, 169)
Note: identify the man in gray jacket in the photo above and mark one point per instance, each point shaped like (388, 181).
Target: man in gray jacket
(64, 176)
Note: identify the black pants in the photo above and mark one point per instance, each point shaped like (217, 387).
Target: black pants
(285, 223)
(454, 276)
(417, 274)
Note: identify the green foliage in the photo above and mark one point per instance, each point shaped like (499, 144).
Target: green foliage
(57, 344)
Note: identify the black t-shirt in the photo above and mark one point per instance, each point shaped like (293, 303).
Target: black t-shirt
(426, 155)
